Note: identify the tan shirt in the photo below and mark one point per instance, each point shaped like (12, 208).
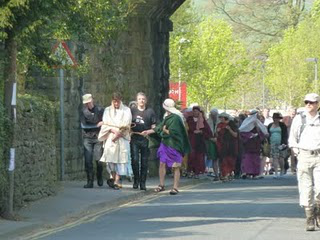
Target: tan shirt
(310, 136)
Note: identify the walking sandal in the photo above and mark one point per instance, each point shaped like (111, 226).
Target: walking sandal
(160, 188)
(174, 191)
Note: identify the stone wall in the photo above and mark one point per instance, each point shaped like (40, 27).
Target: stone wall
(138, 60)
(36, 167)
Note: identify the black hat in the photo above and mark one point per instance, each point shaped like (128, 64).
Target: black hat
(277, 115)
(196, 108)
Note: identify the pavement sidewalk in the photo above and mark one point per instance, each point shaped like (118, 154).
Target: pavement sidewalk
(72, 202)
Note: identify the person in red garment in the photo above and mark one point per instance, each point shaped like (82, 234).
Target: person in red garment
(227, 144)
(198, 132)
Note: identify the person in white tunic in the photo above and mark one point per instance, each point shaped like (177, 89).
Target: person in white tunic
(115, 134)
(304, 139)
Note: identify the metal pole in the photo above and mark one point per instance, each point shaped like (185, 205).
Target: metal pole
(12, 151)
(179, 72)
(61, 124)
(316, 74)
(263, 88)
(11, 181)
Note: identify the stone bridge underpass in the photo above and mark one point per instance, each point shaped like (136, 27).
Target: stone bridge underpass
(138, 60)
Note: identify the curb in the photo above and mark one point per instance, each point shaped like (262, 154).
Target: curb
(38, 230)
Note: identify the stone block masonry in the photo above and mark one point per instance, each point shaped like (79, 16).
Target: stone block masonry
(36, 173)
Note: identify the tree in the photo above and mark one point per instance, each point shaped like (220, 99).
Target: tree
(260, 23)
(289, 75)
(30, 26)
(213, 60)
(185, 21)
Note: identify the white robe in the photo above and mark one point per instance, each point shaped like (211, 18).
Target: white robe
(115, 152)
(249, 123)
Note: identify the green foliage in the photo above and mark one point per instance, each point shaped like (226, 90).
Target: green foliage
(7, 14)
(315, 12)
(283, 27)
(5, 131)
(39, 104)
(248, 88)
(209, 61)
(94, 21)
(289, 75)
(35, 25)
(259, 23)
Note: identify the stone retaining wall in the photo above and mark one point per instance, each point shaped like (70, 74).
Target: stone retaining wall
(36, 165)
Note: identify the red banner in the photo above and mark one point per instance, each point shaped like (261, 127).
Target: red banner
(178, 92)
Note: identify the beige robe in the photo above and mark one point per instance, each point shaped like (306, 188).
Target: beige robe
(119, 119)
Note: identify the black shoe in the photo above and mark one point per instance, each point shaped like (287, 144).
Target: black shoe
(216, 178)
(143, 186)
(110, 183)
(100, 182)
(135, 183)
(99, 174)
(88, 185)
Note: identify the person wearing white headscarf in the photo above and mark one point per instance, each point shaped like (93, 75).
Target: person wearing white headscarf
(252, 133)
(174, 144)
(115, 135)
(212, 154)
(251, 122)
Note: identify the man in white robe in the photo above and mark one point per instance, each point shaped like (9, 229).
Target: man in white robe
(115, 134)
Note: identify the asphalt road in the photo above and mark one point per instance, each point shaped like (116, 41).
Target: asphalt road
(241, 209)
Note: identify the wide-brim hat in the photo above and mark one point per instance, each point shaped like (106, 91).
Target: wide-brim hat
(86, 98)
(312, 97)
(225, 115)
(214, 111)
(253, 111)
(196, 108)
(169, 105)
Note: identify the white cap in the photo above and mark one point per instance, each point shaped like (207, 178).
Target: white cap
(169, 105)
(86, 98)
(312, 97)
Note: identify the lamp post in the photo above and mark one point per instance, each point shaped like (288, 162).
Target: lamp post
(181, 41)
(315, 60)
(263, 86)
(263, 58)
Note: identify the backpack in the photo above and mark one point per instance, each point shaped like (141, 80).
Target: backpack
(304, 123)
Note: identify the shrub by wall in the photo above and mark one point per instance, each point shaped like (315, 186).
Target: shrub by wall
(4, 136)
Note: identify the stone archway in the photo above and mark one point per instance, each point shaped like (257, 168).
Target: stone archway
(138, 60)
(139, 57)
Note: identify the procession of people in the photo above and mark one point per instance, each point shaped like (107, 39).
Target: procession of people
(246, 145)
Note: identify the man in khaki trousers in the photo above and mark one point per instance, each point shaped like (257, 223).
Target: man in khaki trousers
(304, 140)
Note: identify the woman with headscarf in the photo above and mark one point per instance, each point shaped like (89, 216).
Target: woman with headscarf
(252, 133)
(227, 144)
(174, 144)
(198, 132)
(212, 154)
